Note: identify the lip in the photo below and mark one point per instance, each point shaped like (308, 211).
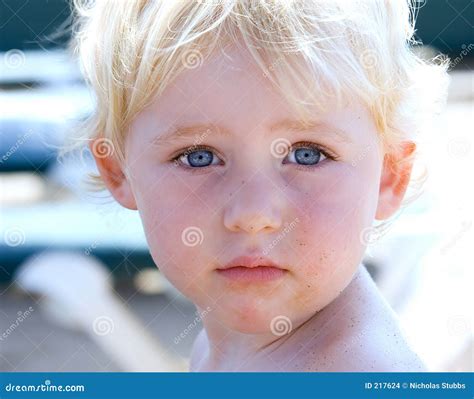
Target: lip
(252, 269)
(251, 262)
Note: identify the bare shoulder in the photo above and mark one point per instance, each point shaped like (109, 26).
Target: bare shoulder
(380, 342)
(383, 350)
(365, 336)
(366, 348)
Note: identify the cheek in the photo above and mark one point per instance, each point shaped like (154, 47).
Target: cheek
(163, 213)
(333, 212)
(177, 225)
(180, 210)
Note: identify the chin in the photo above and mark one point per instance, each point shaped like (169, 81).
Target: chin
(246, 327)
(253, 318)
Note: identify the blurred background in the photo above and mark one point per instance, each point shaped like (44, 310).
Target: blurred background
(78, 288)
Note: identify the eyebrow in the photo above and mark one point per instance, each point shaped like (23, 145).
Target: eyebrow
(200, 131)
(320, 128)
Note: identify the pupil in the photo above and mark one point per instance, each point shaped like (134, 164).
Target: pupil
(200, 158)
(307, 156)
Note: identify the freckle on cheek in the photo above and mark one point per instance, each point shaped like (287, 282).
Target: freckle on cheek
(322, 256)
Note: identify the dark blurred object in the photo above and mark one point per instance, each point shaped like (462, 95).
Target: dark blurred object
(29, 25)
(444, 24)
(27, 145)
(122, 262)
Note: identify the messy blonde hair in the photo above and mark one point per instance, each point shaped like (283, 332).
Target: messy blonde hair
(312, 50)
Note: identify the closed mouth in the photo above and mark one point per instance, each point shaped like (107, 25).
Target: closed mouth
(254, 274)
(251, 262)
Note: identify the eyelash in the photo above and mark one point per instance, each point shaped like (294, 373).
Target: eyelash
(327, 153)
(194, 148)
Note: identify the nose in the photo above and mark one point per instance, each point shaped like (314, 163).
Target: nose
(255, 207)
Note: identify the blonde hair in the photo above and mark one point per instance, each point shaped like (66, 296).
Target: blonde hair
(312, 50)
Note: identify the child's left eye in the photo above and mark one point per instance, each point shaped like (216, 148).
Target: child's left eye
(306, 154)
(197, 158)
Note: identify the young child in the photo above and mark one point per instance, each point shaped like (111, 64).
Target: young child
(259, 141)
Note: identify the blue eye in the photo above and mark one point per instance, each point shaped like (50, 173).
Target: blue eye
(198, 158)
(306, 154)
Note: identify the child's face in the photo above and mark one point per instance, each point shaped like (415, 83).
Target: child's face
(242, 201)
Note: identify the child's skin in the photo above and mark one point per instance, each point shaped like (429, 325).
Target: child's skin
(358, 331)
(244, 200)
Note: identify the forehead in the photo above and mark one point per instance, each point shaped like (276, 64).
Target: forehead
(226, 82)
(229, 89)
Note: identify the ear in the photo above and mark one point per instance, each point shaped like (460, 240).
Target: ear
(111, 172)
(394, 180)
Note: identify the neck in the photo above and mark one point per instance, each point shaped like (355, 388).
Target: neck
(225, 348)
